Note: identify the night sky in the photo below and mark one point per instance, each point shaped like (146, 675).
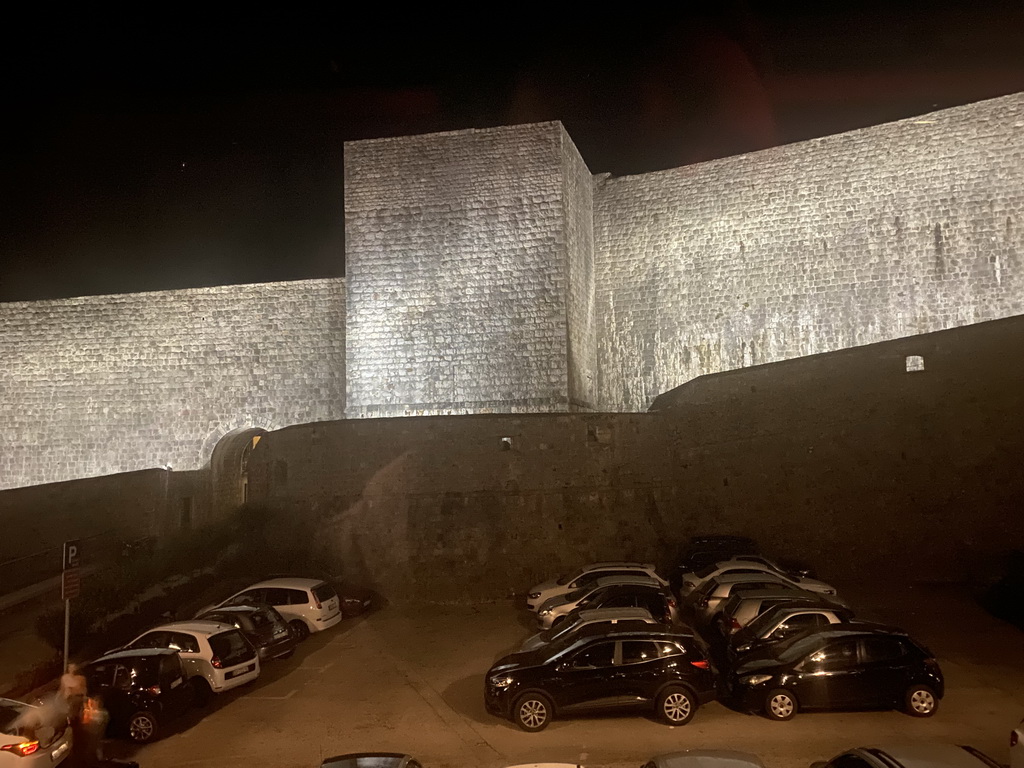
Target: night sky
(183, 151)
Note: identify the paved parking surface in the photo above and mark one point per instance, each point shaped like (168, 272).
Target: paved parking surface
(410, 679)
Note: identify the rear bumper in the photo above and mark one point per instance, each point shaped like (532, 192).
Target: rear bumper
(321, 624)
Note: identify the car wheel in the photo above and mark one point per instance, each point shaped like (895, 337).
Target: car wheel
(921, 701)
(676, 706)
(300, 629)
(780, 704)
(532, 712)
(559, 620)
(142, 727)
(202, 693)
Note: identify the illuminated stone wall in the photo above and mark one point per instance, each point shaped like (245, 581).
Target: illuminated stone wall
(467, 261)
(880, 233)
(105, 384)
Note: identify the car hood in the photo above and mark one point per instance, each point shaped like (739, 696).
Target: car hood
(558, 601)
(545, 586)
(755, 660)
(532, 643)
(520, 660)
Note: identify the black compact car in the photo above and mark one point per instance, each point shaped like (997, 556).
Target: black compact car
(143, 690)
(262, 626)
(661, 668)
(855, 665)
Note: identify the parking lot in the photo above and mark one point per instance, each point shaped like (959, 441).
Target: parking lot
(410, 679)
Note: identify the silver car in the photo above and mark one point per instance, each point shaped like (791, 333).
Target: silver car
(578, 619)
(750, 564)
(787, 620)
(33, 735)
(706, 601)
(581, 577)
(557, 608)
(743, 607)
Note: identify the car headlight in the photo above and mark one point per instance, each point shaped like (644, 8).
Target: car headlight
(545, 611)
(501, 681)
(534, 595)
(755, 679)
(829, 592)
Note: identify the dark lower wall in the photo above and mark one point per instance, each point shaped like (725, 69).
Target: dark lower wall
(845, 460)
(99, 385)
(895, 230)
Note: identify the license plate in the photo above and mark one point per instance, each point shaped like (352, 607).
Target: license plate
(243, 671)
(59, 752)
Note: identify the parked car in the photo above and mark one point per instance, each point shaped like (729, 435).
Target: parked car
(913, 755)
(216, 656)
(32, 736)
(706, 601)
(848, 666)
(309, 605)
(694, 579)
(746, 605)
(661, 668)
(371, 760)
(610, 592)
(705, 758)
(262, 626)
(786, 620)
(569, 582)
(142, 690)
(704, 550)
(1017, 746)
(580, 618)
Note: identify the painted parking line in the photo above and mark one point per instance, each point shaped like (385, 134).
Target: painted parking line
(272, 698)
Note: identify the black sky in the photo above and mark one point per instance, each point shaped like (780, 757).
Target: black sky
(177, 151)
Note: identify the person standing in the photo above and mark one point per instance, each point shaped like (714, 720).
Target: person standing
(73, 691)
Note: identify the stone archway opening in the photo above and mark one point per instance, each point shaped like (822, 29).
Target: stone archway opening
(229, 466)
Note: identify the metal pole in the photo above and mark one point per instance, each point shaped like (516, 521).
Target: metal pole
(67, 631)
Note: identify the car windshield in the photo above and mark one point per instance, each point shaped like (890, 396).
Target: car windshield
(231, 647)
(762, 622)
(557, 633)
(798, 646)
(706, 571)
(324, 592)
(577, 594)
(565, 578)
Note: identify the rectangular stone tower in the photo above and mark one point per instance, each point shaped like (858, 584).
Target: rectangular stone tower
(469, 274)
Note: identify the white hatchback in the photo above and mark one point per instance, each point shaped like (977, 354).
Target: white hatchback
(216, 657)
(308, 605)
(32, 736)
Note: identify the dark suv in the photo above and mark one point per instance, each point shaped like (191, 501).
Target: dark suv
(262, 626)
(141, 689)
(656, 667)
(855, 665)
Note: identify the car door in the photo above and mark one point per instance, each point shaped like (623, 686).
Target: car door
(640, 672)
(828, 678)
(884, 662)
(584, 680)
(189, 651)
(100, 681)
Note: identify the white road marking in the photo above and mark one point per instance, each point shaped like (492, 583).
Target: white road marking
(271, 698)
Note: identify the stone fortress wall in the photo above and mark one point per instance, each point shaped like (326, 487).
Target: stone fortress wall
(107, 384)
(877, 234)
(487, 271)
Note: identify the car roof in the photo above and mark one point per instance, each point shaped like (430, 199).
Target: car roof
(368, 760)
(767, 594)
(236, 609)
(195, 626)
(927, 755)
(855, 628)
(708, 758)
(134, 653)
(616, 564)
(638, 580)
(739, 578)
(293, 582)
(806, 605)
(614, 614)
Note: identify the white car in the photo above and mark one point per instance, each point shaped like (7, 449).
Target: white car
(308, 605)
(573, 580)
(712, 594)
(31, 736)
(1017, 746)
(558, 608)
(693, 580)
(216, 657)
(578, 619)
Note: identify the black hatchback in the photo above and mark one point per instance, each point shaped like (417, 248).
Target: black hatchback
(659, 668)
(262, 626)
(142, 690)
(854, 665)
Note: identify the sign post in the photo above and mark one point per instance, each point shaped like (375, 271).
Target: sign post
(70, 587)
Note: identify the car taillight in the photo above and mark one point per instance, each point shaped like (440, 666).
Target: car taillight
(24, 749)
(701, 663)
(153, 690)
(317, 601)
(735, 624)
(216, 663)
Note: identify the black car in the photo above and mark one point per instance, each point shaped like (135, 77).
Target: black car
(857, 665)
(142, 690)
(655, 667)
(262, 626)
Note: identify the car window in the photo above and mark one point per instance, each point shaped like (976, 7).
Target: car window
(666, 649)
(638, 651)
(654, 603)
(182, 641)
(122, 678)
(600, 655)
(298, 597)
(249, 597)
(170, 669)
(324, 592)
(99, 675)
(839, 654)
(152, 640)
(231, 647)
(620, 601)
(877, 649)
(275, 596)
(799, 623)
